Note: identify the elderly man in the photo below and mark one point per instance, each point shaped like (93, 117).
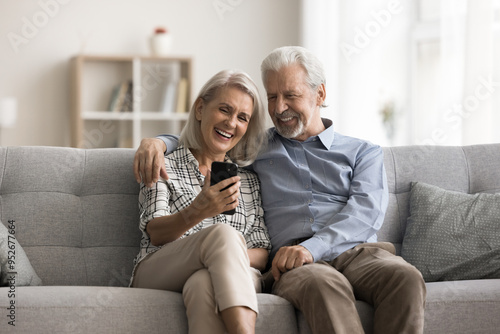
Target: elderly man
(324, 197)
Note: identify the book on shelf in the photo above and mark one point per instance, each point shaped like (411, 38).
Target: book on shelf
(121, 97)
(128, 102)
(172, 77)
(182, 96)
(114, 97)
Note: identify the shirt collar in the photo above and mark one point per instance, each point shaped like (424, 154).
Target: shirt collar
(326, 136)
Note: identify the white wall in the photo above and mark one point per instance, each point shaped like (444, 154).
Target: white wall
(35, 67)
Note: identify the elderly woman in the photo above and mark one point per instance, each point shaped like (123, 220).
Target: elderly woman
(188, 244)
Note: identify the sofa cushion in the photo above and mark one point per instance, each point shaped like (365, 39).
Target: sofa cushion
(467, 306)
(14, 259)
(76, 212)
(452, 235)
(91, 309)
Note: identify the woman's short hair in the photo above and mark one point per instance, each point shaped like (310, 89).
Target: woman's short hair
(246, 150)
(289, 55)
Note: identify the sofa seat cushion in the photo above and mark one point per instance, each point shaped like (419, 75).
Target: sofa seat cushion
(91, 309)
(469, 306)
(452, 235)
(79, 309)
(365, 312)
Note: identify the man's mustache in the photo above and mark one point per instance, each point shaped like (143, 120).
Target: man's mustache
(286, 114)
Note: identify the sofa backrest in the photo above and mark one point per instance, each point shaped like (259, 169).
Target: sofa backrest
(75, 212)
(468, 169)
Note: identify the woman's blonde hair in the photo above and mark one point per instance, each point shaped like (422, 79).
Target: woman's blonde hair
(246, 150)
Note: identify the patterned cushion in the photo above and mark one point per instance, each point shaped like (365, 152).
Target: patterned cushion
(14, 262)
(452, 235)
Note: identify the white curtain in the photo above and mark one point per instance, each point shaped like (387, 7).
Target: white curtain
(468, 88)
(481, 87)
(362, 44)
(319, 34)
(458, 98)
(450, 74)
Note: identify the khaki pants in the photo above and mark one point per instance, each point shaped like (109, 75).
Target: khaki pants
(326, 292)
(211, 269)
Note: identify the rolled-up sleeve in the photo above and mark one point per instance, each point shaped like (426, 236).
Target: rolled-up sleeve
(153, 203)
(256, 235)
(259, 236)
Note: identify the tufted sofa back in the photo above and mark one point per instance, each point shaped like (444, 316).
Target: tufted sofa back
(468, 169)
(75, 212)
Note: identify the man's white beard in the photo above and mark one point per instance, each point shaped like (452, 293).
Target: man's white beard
(288, 131)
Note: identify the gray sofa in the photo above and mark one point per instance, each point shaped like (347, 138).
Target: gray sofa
(75, 215)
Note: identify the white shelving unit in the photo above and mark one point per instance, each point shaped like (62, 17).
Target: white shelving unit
(160, 99)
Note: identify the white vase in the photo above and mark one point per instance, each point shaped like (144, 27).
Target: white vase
(161, 44)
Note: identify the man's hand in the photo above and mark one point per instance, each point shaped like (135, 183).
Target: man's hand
(149, 161)
(288, 258)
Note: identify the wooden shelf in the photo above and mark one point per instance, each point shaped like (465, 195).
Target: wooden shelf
(144, 115)
(158, 90)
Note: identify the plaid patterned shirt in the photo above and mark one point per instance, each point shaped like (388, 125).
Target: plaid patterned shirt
(184, 184)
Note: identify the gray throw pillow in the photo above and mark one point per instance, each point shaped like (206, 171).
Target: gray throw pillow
(451, 235)
(14, 262)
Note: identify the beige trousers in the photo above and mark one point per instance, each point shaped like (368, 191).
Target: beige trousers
(211, 268)
(326, 292)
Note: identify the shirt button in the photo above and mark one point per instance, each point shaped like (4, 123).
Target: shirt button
(311, 220)
(271, 162)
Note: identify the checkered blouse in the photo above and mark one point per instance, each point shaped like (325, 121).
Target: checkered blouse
(184, 184)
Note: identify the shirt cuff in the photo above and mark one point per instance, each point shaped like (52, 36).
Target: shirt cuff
(316, 247)
(165, 140)
(171, 142)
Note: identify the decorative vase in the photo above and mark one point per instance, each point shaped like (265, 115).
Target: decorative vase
(161, 42)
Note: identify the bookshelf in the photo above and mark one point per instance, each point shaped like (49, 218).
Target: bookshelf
(118, 100)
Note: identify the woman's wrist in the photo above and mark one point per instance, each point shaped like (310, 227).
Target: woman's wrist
(192, 215)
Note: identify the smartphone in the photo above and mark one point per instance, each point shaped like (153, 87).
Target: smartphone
(221, 171)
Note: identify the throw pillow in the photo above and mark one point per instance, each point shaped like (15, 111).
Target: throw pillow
(19, 263)
(451, 235)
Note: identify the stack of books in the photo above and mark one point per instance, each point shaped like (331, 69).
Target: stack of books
(162, 89)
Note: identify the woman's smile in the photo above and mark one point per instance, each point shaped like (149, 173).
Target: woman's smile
(223, 134)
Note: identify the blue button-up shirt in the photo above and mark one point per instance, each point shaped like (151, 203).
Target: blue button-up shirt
(330, 189)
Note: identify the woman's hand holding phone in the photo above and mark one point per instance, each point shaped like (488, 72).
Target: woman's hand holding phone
(219, 198)
(223, 171)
